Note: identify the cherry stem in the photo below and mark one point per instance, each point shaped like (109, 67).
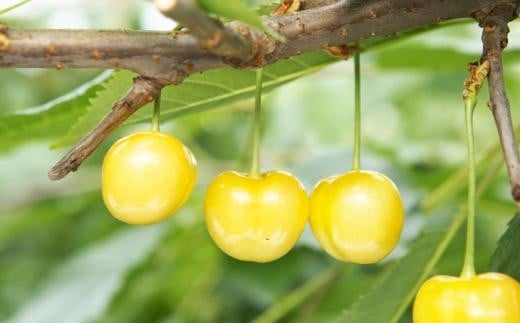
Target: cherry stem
(468, 269)
(156, 113)
(356, 158)
(255, 158)
(473, 85)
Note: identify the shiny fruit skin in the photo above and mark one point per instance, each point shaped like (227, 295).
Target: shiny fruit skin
(357, 216)
(485, 298)
(147, 176)
(256, 219)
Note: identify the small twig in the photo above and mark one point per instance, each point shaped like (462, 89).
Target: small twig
(143, 91)
(214, 36)
(494, 40)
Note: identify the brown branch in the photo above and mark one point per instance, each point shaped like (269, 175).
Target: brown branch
(142, 92)
(494, 39)
(172, 56)
(159, 55)
(167, 58)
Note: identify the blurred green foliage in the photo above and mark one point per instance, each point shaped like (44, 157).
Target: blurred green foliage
(63, 258)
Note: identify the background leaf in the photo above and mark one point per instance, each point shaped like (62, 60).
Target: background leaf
(49, 120)
(505, 259)
(83, 285)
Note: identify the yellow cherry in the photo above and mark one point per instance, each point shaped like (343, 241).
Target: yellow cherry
(147, 177)
(256, 219)
(485, 298)
(357, 216)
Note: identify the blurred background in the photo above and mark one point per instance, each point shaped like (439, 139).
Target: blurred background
(63, 258)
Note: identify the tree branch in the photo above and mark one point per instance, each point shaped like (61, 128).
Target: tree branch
(172, 56)
(167, 58)
(159, 55)
(494, 39)
(142, 92)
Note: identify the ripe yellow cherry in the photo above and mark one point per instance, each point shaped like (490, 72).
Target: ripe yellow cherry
(147, 177)
(256, 219)
(357, 216)
(485, 298)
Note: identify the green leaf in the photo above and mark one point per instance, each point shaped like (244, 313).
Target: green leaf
(99, 105)
(179, 277)
(215, 88)
(505, 258)
(295, 298)
(49, 120)
(83, 286)
(238, 10)
(388, 299)
(198, 92)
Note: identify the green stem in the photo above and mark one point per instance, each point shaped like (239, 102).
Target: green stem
(478, 74)
(356, 158)
(255, 158)
(156, 113)
(468, 269)
(14, 6)
(452, 230)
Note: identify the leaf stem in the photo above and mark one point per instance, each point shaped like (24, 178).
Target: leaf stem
(156, 113)
(255, 158)
(356, 158)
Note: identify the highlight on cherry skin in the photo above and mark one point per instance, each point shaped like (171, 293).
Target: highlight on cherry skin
(357, 216)
(256, 219)
(485, 298)
(147, 177)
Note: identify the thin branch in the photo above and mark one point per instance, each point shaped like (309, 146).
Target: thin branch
(211, 33)
(143, 91)
(494, 39)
